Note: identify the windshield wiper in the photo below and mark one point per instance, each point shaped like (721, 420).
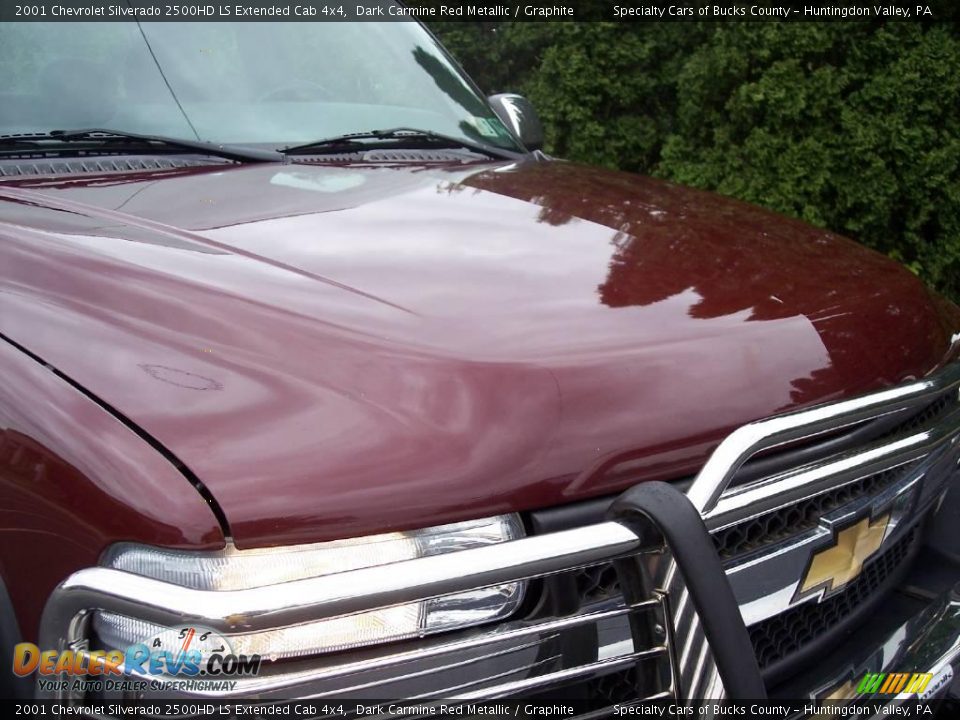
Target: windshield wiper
(396, 137)
(99, 136)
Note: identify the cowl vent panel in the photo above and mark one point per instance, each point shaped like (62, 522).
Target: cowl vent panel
(101, 165)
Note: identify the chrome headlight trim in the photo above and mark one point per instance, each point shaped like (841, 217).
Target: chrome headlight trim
(231, 569)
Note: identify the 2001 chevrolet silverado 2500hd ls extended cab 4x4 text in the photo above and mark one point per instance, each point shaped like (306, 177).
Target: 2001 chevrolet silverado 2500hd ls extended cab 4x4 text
(308, 351)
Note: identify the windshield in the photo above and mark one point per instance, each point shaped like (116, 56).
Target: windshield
(238, 83)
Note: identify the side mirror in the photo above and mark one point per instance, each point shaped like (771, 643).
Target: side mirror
(518, 114)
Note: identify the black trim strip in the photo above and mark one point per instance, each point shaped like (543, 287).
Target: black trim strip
(137, 430)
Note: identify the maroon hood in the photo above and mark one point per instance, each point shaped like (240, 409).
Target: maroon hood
(340, 350)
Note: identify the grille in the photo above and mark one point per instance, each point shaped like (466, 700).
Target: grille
(783, 523)
(614, 689)
(783, 635)
(780, 640)
(597, 583)
(786, 522)
(933, 412)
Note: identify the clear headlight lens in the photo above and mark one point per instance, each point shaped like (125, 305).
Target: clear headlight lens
(232, 569)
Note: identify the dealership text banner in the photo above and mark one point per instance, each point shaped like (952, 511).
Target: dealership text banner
(413, 10)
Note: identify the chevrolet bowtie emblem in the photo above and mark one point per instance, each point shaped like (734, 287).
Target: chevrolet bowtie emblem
(833, 567)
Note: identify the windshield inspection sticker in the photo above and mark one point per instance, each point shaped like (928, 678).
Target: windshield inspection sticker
(485, 127)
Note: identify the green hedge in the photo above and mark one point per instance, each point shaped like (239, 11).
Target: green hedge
(850, 126)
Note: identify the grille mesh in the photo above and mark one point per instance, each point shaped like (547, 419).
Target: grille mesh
(597, 583)
(615, 688)
(787, 522)
(785, 634)
(934, 411)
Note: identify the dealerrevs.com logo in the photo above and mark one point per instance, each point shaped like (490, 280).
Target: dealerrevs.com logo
(179, 658)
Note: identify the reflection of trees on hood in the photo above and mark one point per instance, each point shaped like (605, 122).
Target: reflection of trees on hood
(848, 125)
(732, 258)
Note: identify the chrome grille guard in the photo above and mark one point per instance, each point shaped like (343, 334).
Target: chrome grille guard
(644, 517)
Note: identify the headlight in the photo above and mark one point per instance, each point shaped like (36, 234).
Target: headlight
(232, 569)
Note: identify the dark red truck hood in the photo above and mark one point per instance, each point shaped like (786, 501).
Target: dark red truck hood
(342, 350)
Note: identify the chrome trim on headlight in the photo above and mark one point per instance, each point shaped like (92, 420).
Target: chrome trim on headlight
(233, 569)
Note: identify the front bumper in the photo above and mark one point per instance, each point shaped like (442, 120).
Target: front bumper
(686, 611)
(926, 645)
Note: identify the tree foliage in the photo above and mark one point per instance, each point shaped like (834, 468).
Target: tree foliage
(850, 126)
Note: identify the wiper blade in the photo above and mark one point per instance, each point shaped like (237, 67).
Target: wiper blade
(409, 137)
(50, 140)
